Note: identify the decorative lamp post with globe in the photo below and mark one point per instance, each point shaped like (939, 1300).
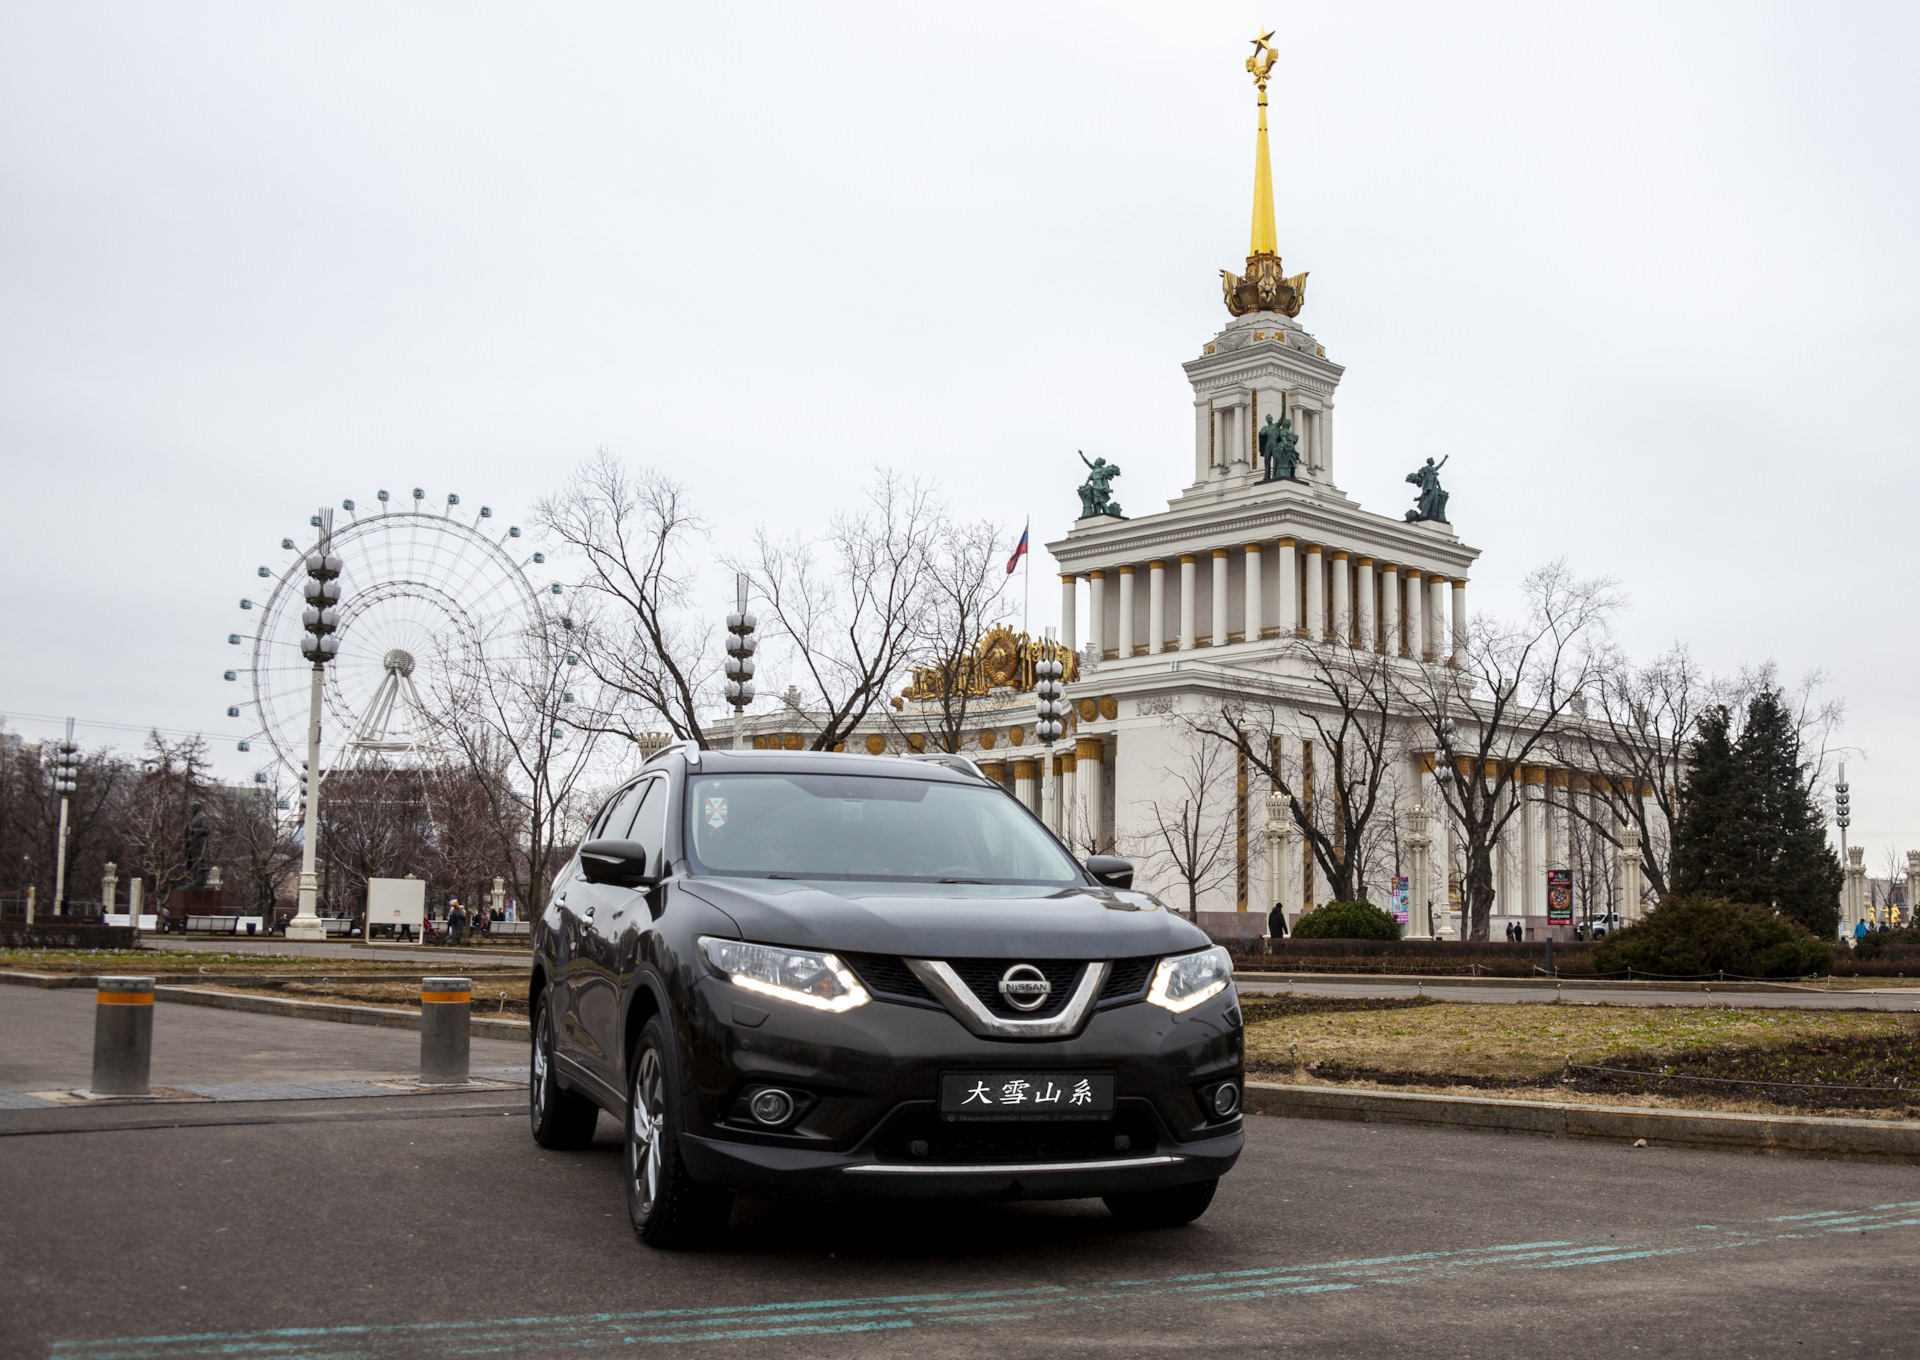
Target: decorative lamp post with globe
(319, 646)
(1051, 712)
(740, 649)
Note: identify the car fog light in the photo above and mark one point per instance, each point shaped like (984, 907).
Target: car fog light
(772, 1108)
(1226, 1099)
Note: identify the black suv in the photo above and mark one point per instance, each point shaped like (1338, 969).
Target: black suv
(828, 975)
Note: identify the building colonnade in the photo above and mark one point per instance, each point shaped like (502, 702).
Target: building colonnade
(1273, 589)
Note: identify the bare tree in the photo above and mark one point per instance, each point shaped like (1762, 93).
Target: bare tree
(1355, 719)
(504, 717)
(851, 624)
(1507, 704)
(645, 648)
(965, 580)
(257, 840)
(1193, 833)
(173, 776)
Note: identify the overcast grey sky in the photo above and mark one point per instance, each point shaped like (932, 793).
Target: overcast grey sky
(1644, 272)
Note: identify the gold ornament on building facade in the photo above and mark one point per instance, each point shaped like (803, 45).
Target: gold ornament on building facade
(1003, 659)
(1265, 287)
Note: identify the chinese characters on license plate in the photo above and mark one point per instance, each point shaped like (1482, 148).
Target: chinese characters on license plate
(1025, 1095)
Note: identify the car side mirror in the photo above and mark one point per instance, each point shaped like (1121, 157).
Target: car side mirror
(1111, 870)
(623, 864)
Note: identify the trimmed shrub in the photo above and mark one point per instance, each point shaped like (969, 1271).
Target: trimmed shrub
(1891, 946)
(1699, 934)
(1347, 921)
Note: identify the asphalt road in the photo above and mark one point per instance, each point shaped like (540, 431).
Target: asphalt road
(1888, 999)
(430, 1227)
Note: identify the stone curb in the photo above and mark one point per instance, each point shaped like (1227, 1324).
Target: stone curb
(1873, 1139)
(1541, 984)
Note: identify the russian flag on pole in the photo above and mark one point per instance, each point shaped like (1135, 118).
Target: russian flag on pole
(1018, 553)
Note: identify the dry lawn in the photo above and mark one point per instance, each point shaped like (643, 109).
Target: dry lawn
(1535, 1039)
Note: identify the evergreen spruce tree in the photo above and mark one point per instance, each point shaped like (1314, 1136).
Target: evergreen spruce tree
(1795, 870)
(1748, 829)
(1706, 852)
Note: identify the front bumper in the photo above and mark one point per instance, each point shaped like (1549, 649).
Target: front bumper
(872, 1126)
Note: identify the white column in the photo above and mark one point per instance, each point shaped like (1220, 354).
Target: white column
(1338, 569)
(1186, 601)
(1097, 612)
(1363, 605)
(1068, 592)
(1533, 890)
(1088, 753)
(1026, 783)
(109, 885)
(1416, 627)
(1439, 644)
(1069, 800)
(1390, 609)
(1279, 851)
(1126, 612)
(1439, 827)
(1856, 893)
(1316, 594)
(1252, 593)
(1289, 588)
(1219, 597)
(1419, 880)
(1156, 607)
(1460, 622)
(1913, 886)
(1630, 875)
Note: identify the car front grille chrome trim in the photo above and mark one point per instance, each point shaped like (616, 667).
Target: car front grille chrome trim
(1008, 1168)
(947, 986)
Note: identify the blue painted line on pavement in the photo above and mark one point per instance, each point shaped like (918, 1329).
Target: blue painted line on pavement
(607, 1331)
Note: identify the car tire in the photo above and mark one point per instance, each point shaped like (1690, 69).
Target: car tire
(562, 1120)
(1169, 1208)
(668, 1208)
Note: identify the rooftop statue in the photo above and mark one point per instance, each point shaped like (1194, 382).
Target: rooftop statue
(1096, 495)
(1433, 501)
(1279, 450)
(199, 829)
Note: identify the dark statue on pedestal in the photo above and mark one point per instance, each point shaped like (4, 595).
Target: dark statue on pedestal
(1433, 501)
(1279, 450)
(199, 858)
(1096, 496)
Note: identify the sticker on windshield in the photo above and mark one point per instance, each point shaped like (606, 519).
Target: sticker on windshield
(852, 810)
(717, 812)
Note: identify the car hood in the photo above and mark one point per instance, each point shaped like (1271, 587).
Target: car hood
(942, 921)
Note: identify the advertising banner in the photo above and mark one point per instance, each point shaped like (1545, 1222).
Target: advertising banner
(1400, 900)
(1559, 897)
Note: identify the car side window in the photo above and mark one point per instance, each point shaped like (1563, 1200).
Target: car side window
(620, 817)
(650, 823)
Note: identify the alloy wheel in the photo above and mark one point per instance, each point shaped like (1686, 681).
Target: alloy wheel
(648, 1120)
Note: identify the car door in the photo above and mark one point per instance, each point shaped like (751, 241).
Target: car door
(575, 904)
(611, 918)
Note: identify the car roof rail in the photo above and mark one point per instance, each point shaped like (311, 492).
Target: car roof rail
(689, 749)
(958, 764)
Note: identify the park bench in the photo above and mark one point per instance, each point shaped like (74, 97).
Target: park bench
(213, 925)
(512, 930)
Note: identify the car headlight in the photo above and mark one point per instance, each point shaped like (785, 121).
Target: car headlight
(817, 980)
(1185, 980)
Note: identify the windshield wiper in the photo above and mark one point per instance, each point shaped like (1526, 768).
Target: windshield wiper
(791, 878)
(980, 882)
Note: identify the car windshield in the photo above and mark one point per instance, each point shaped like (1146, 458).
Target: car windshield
(829, 826)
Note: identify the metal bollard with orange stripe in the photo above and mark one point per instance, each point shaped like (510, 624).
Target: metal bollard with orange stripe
(122, 1036)
(446, 1009)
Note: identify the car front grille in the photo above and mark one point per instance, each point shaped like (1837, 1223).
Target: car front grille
(1127, 1132)
(982, 977)
(887, 975)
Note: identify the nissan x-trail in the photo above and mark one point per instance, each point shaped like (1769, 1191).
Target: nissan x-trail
(825, 976)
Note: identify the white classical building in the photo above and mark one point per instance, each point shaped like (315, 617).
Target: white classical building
(1226, 593)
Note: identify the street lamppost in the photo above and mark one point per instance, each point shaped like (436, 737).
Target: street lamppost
(1051, 709)
(740, 649)
(321, 618)
(1843, 818)
(66, 775)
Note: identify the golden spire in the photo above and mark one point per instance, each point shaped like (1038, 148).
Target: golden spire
(1260, 63)
(1265, 288)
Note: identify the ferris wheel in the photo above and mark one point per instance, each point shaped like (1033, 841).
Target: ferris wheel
(428, 593)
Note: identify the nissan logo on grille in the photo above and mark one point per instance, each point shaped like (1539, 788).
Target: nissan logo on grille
(1025, 987)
